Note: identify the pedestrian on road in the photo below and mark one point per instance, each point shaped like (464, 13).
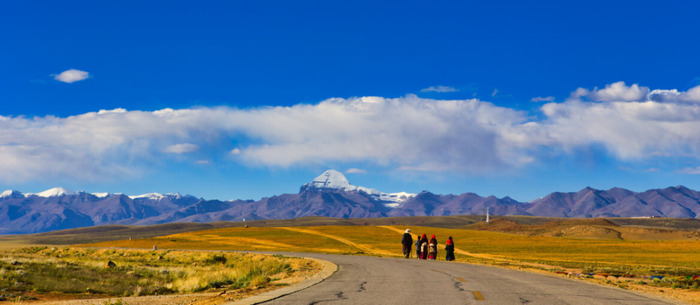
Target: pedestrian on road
(418, 242)
(423, 247)
(407, 242)
(432, 248)
(450, 250)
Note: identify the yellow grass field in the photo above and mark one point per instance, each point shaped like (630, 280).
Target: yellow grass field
(645, 255)
(584, 255)
(41, 273)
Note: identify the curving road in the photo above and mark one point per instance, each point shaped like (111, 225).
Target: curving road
(375, 280)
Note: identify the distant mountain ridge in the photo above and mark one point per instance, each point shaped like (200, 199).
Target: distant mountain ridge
(329, 194)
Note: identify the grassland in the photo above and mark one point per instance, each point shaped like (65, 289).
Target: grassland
(620, 252)
(640, 256)
(595, 249)
(119, 232)
(41, 273)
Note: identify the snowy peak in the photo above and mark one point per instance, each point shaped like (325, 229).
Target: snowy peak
(11, 194)
(330, 179)
(101, 195)
(61, 191)
(158, 196)
(154, 196)
(56, 192)
(335, 180)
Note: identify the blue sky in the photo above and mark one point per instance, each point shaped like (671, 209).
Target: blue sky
(247, 99)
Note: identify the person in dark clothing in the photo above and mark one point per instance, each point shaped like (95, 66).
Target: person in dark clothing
(450, 250)
(407, 242)
(432, 248)
(418, 242)
(423, 247)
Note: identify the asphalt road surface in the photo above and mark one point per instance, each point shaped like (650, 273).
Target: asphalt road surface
(374, 280)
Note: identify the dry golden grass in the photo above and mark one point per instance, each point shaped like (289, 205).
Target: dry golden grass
(50, 273)
(576, 246)
(644, 255)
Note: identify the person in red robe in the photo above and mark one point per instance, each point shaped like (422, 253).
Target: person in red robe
(432, 248)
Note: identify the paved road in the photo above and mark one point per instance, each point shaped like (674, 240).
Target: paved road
(374, 280)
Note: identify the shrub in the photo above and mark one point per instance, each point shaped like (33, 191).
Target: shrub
(217, 259)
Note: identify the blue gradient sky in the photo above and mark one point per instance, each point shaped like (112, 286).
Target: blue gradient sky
(505, 98)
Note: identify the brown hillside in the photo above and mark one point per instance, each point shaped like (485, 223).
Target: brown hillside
(597, 228)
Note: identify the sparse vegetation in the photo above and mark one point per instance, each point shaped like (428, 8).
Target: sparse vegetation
(592, 249)
(598, 255)
(36, 271)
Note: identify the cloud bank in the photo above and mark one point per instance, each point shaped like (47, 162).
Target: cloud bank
(407, 133)
(71, 76)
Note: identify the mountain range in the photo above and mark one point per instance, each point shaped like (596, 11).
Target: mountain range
(329, 194)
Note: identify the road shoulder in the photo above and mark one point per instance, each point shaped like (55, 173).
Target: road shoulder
(329, 269)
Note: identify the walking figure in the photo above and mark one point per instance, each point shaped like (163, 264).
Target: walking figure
(423, 247)
(407, 242)
(450, 250)
(418, 243)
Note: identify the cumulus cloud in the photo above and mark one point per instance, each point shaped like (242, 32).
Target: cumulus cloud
(632, 122)
(615, 92)
(71, 76)
(542, 99)
(620, 92)
(408, 133)
(439, 89)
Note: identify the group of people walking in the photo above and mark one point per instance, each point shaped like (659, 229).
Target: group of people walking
(426, 249)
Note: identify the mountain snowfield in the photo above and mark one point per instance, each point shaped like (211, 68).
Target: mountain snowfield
(333, 179)
(328, 195)
(330, 179)
(60, 191)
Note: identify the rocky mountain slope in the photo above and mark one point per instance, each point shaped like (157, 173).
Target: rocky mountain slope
(329, 194)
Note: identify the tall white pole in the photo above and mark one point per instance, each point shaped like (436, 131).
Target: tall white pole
(487, 215)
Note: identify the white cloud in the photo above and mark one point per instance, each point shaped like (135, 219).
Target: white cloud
(627, 122)
(542, 99)
(618, 91)
(408, 133)
(615, 92)
(355, 171)
(691, 96)
(181, 148)
(464, 135)
(71, 76)
(439, 89)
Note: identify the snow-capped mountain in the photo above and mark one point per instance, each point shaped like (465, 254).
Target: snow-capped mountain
(11, 194)
(55, 192)
(335, 180)
(154, 196)
(329, 195)
(101, 195)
